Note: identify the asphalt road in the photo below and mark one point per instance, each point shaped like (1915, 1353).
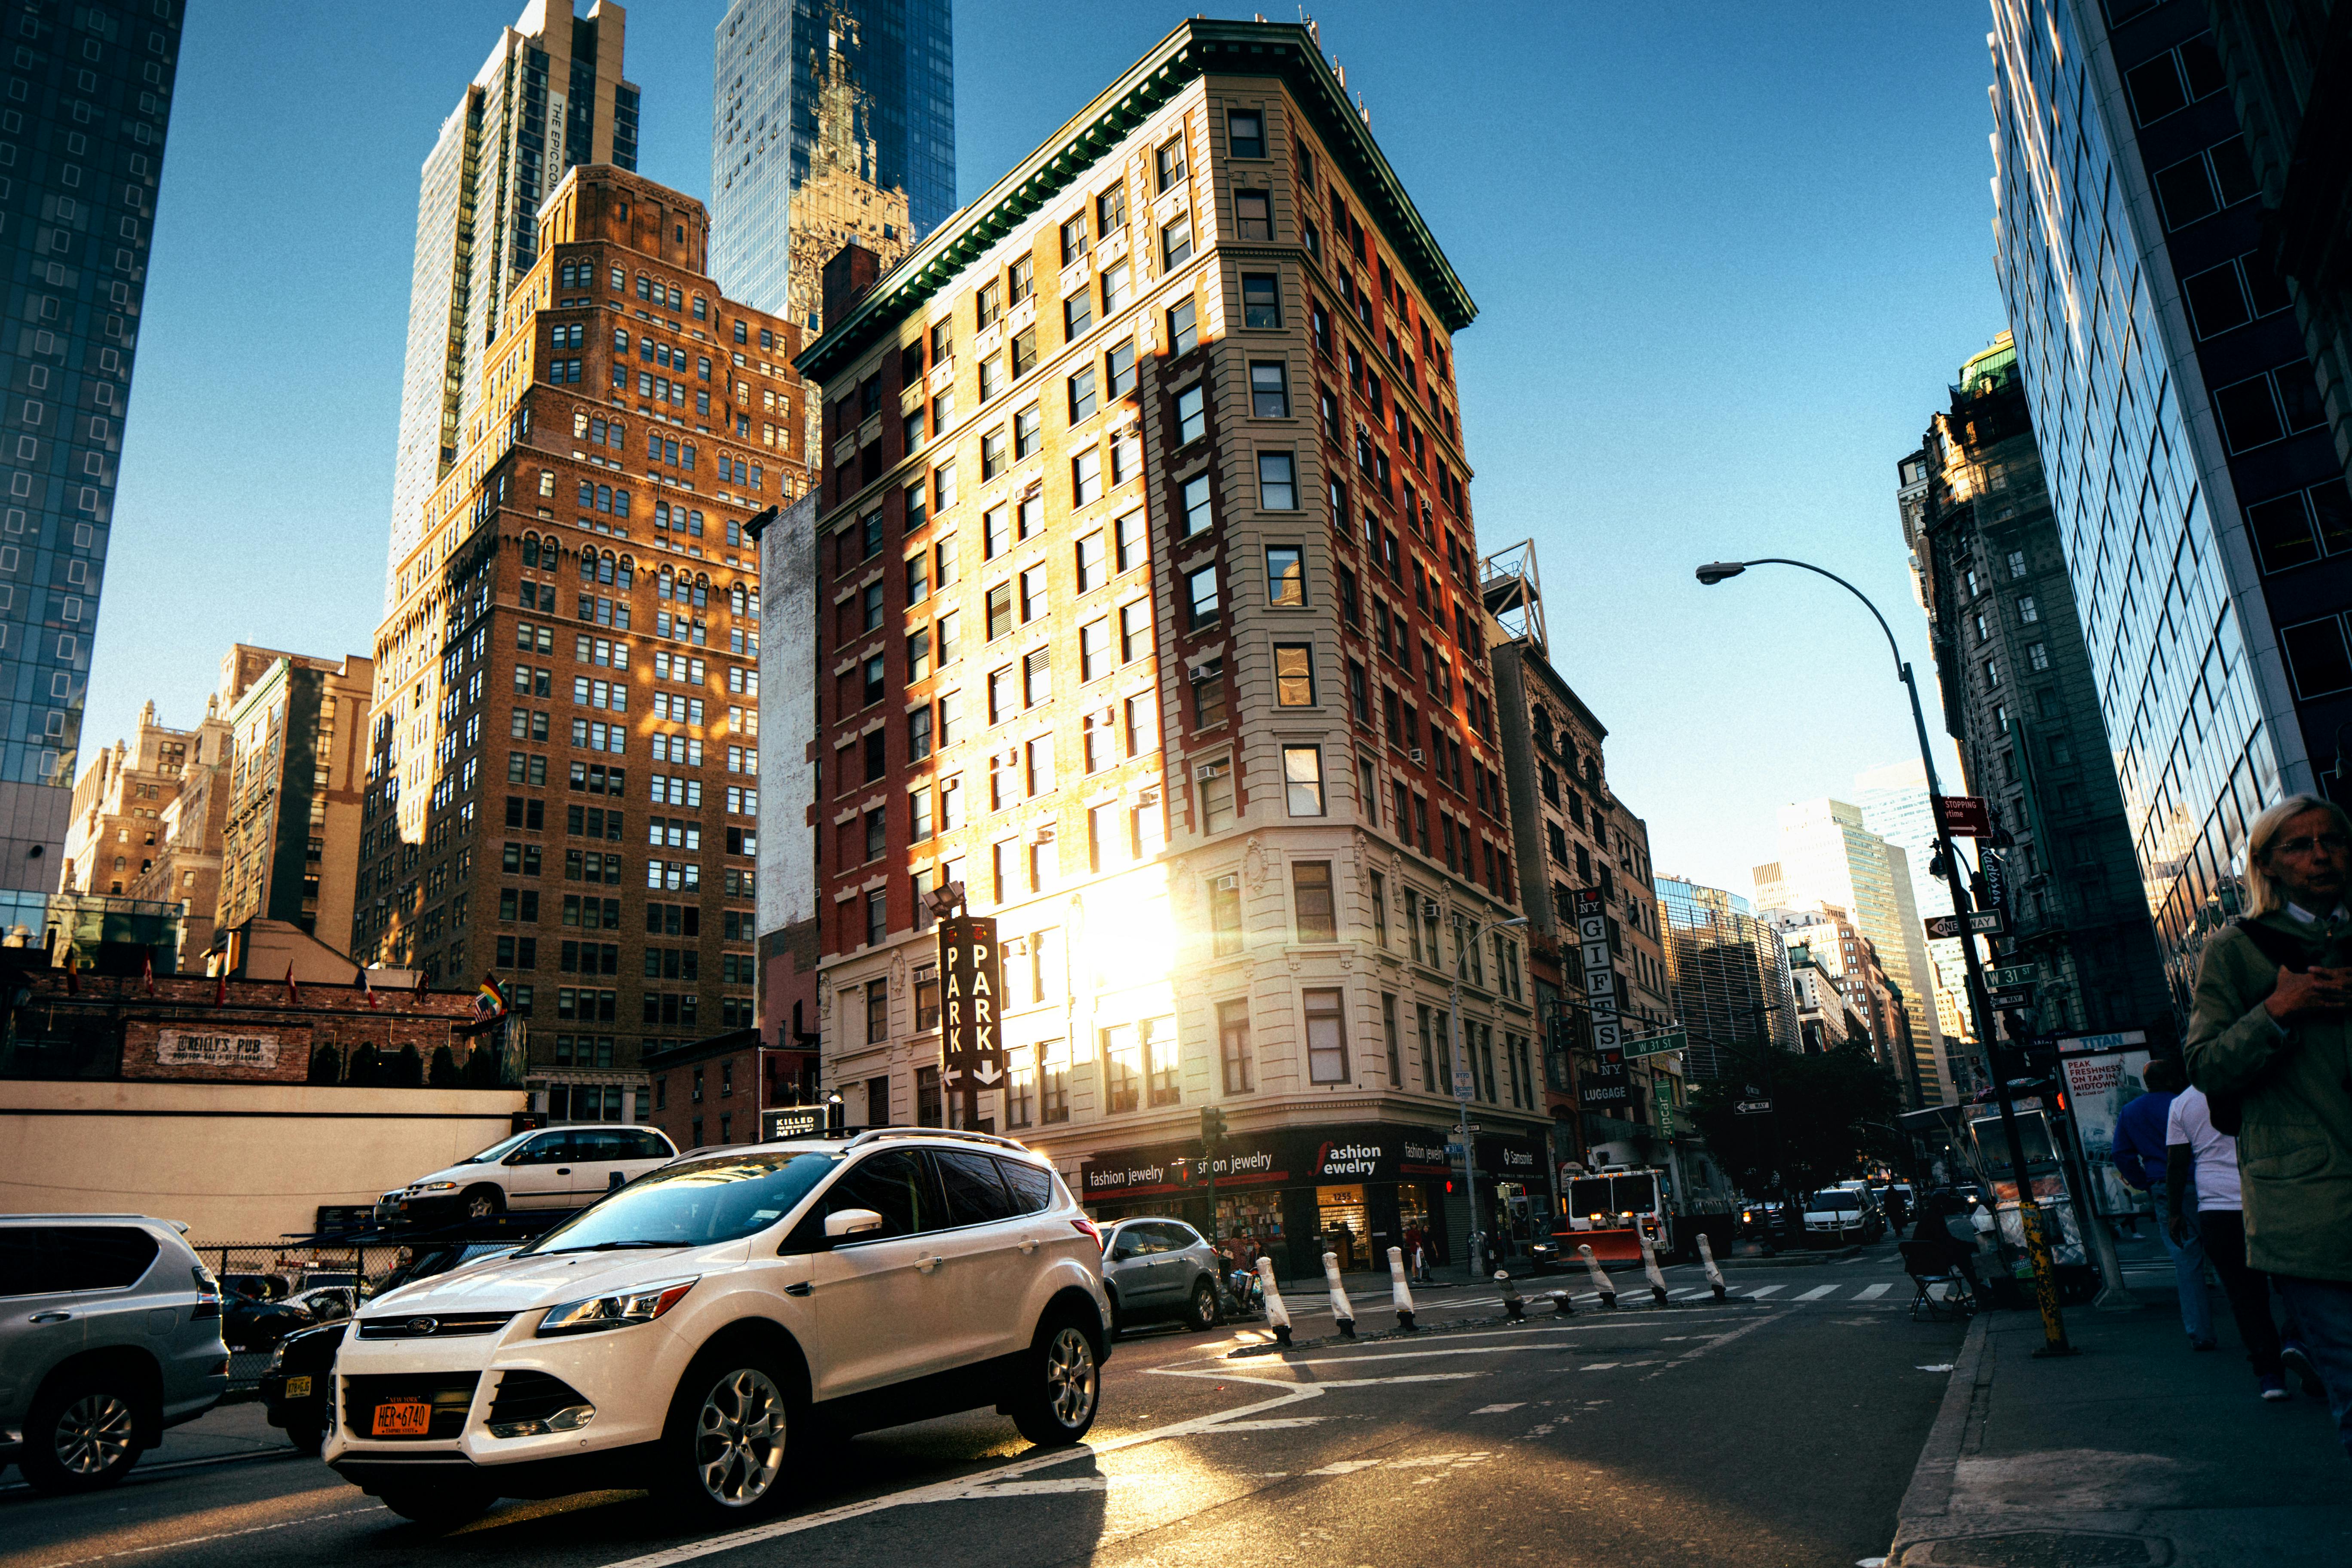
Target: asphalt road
(1772, 1429)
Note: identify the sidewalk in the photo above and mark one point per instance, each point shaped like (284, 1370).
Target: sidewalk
(2136, 1451)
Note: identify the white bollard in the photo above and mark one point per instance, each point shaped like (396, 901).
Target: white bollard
(1515, 1307)
(1398, 1291)
(1560, 1304)
(1650, 1268)
(1277, 1316)
(1340, 1311)
(1599, 1278)
(1707, 1257)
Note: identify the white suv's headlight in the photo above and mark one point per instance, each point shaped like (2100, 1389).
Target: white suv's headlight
(433, 1187)
(594, 1314)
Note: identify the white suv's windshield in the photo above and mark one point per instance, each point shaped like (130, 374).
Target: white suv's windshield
(1840, 1199)
(693, 1203)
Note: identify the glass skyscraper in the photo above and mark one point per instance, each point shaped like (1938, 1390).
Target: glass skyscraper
(550, 96)
(81, 151)
(2199, 499)
(1730, 972)
(830, 120)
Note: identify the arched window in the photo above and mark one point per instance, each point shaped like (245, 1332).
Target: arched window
(701, 309)
(604, 569)
(626, 575)
(735, 598)
(662, 586)
(587, 566)
(701, 592)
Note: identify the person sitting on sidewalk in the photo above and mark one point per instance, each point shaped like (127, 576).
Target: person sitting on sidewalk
(2191, 1140)
(2268, 1039)
(2140, 1160)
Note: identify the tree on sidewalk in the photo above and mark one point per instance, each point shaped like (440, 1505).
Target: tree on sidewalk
(1833, 1110)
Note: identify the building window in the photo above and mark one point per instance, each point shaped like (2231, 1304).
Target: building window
(1233, 1047)
(2194, 188)
(1253, 214)
(1310, 884)
(1122, 1060)
(2028, 612)
(1183, 328)
(1199, 513)
(1269, 389)
(1170, 162)
(2269, 407)
(1285, 575)
(1176, 241)
(1261, 304)
(1245, 133)
(1200, 599)
(1294, 675)
(1278, 490)
(1192, 414)
(1054, 1082)
(1225, 915)
(1395, 1045)
(1302, 779)
(1327, 1038)
(2038, 655)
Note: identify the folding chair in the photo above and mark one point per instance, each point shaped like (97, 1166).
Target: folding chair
(1939, 1285)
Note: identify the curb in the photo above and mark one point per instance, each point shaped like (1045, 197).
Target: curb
(1928, 1497)
(1792, 1260)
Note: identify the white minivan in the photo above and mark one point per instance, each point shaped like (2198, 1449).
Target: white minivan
(697, 1329)
(552, 1168)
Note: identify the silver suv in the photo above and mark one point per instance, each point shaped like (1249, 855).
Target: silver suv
(110, 1333)
(1160, 1269)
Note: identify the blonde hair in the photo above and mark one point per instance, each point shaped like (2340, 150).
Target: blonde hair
(2262, 894)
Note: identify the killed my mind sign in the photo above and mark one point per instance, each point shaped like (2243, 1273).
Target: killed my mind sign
(971, 973)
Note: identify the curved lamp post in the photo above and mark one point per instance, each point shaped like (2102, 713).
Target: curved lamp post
(2045, 1287)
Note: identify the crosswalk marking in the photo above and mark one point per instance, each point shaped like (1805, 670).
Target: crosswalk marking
(1815, 1294)
(1767, 1290)
(1873, 1292)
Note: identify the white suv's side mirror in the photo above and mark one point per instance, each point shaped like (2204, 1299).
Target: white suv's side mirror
(844, 1223)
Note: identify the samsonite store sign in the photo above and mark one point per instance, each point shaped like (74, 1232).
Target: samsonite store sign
(1302, 1156)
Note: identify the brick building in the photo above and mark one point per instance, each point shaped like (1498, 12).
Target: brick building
(298, 762)
(563, 781)
(1148, 612)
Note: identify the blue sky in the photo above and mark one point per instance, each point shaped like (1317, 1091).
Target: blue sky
(1726, 259)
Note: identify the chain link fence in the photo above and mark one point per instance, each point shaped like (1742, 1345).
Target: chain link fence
(271, 1289)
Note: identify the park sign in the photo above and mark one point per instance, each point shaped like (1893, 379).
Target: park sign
(971, 973)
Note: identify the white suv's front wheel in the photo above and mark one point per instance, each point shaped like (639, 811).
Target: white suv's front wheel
(1060, 1385)
(729, 1431)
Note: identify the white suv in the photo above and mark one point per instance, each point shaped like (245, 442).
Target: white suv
(696, 1330)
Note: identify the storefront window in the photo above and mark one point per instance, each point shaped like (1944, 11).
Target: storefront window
(1343, 1225)
(1255, 1221)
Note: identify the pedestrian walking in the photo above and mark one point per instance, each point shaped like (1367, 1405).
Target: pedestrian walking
(2270, 1041)
(2140, 1160)
(2192, 1141)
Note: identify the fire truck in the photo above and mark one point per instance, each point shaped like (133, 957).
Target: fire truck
(1613, 1207)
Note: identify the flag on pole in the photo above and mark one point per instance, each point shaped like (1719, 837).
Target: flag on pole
(293, 992)
(220, 989)
(490, 1002)
(368, 991)
(148, 971)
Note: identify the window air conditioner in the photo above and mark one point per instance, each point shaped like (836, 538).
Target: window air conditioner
(1417, 754)
(1209, 770)
(1227, 883)
(1429, 909)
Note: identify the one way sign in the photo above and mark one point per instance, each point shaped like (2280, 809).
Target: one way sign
(971, 973)
(1979, 922)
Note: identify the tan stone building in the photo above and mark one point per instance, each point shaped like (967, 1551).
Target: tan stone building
(1148, 612)
(562, 779)
(289, 845)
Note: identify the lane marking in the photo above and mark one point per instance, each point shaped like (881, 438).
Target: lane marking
(1873, 1292)
(1274, 1425)
(1599, 1366)
(1497, 1409)
(1290, 1393)
(1815, 1294)
(219, 1535)
(1344, 1468)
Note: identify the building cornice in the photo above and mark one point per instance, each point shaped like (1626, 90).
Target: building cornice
(1197, 48)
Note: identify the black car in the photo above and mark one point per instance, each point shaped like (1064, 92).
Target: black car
(299, 1386)
(254, 1322)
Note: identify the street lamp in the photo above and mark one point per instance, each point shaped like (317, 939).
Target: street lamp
(1465, 1083)
(2029, 1212)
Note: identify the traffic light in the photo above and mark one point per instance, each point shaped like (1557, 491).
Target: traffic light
(1212, 1125)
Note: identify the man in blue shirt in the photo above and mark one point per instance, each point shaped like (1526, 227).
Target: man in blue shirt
(2140, 1158)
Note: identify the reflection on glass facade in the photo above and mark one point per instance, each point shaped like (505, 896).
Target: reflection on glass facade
(830, 120)
(2171, 413)
(81, 151)
(1729, 971)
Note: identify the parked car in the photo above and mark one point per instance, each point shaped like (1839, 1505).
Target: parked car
(254, 1321)
(1160, 1269)
(1836, 1217)
(327, 1304)
(698, 1331)
(298, 1386)
(110, 1333)
(553, 1168)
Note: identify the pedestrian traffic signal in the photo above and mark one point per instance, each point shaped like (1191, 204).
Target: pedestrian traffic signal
(1212, 1124)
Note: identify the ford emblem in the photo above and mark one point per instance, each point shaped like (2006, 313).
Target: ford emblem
(423, 1325)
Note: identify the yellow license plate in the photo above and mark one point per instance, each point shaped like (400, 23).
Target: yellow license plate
(402, 1419)
(297, 1388)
